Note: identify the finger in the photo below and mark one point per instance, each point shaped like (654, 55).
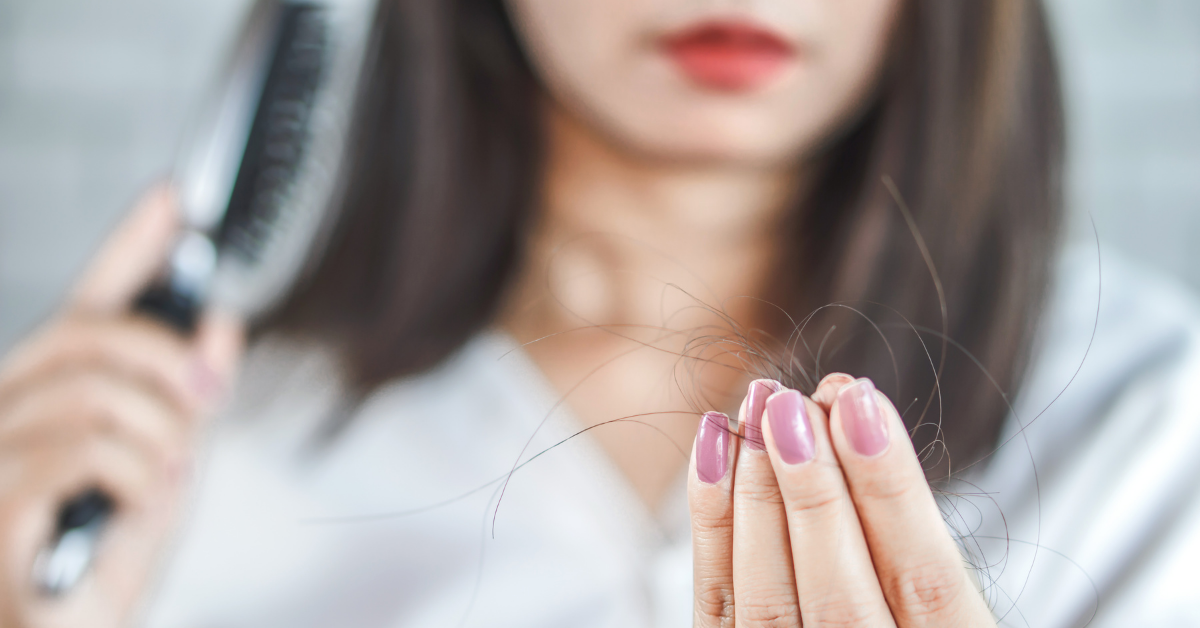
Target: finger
(57, 466)
(834, 575)
(61, 440)
(53, 471)
(764, 582)
(920, 569)
(710, 498)
(97, 403)
(827, 390)
(137, 349)
(130, 257)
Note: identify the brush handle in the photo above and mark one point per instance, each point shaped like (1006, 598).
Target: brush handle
(81, 521)
(179, 310)
(62, 564)
(178, 295)
(284, 40)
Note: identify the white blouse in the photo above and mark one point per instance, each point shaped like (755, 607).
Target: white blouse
(1093, 509)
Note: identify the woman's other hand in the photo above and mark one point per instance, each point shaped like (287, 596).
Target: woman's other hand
(822, 518)
(108, 399)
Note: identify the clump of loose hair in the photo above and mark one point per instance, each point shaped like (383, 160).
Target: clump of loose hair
(954, 164)
(966, 122)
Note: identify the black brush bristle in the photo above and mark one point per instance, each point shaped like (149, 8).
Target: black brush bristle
(279, 135)
(260, 206)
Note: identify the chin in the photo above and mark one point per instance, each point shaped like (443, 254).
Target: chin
(691, 135)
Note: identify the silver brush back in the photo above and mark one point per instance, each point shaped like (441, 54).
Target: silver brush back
(256, 179)
(256, 185)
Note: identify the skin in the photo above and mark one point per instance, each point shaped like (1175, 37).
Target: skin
(661, 193)
(102, 398)
(840, 540)
(603, 63)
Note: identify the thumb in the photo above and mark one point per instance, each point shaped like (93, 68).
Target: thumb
(131, 256)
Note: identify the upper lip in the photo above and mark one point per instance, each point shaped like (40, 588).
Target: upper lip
(729, 31)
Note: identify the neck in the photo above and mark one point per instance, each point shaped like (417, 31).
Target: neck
(634, 223)
(633, 262)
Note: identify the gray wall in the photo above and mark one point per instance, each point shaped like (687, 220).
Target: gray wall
(1132, 77)
(94, 97)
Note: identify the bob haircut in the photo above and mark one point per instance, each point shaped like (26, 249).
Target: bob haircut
(443, 178)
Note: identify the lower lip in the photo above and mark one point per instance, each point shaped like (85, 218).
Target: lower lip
(728, 57)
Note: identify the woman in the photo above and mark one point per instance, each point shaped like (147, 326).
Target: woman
(598, 217)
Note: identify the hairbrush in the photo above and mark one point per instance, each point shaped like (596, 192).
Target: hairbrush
(256, 183)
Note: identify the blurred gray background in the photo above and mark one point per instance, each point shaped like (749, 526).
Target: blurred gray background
(94, 98)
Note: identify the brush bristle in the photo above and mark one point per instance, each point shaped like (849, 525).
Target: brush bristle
(280, 135)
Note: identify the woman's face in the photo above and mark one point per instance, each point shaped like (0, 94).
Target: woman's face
(712, 80)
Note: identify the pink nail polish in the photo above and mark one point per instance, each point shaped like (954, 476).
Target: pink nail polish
(205, 382)
(756, 402)
(863, 421)
(790, 427)
(712, 447)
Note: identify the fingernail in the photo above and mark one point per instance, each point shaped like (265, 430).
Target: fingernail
(206, 384)
(862, 419)
(756, 402)
(790, 427)
(712, 447)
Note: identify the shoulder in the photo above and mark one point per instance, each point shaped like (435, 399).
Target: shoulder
(290, 391)
(1109, 324)
(1097, 463)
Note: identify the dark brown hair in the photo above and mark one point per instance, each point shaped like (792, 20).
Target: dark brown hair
(444, 175)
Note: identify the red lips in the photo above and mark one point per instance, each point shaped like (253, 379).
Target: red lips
(729, 56)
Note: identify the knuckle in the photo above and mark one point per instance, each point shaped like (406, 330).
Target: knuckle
(842, 614)
(885, 487)
(770, 612)
(814, 498)
(711, 524)
(758, 487)
(714, 603)
(926, 591)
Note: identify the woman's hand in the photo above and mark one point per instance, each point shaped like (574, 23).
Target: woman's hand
(103, 398)
(821, 517)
